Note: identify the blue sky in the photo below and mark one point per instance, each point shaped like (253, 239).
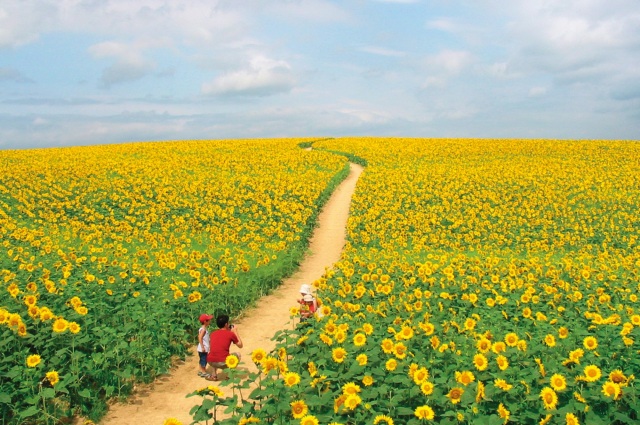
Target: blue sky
(80, 72)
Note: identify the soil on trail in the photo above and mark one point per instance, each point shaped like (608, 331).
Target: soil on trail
(165, 398)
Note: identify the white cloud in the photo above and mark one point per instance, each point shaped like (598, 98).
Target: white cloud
(263, 77)
(450, 61)
(128, 62)
(381, 51)
(12, 74)
(537, 91)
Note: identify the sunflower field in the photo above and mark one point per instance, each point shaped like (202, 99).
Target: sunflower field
(108, 255)
(483, 282)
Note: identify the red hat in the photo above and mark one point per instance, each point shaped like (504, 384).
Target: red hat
(205, 317)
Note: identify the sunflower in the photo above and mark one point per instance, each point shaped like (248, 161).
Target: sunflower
(480, 392)
(499, 347)
(362, 359)
(483, 345)
(424, 413)
(455, 394)
(171, 421)
(503, 413)
(33, 360)
(511, 339)
(618, 377)
(400, 350)
(387, 345)
(503, 363)
(571, 419)
(326, 339)
(53, 377)
(391, 364)
(309, 420)
(367, 381)
(549, 398)
(367, 328)
(215, 390)
(420, 375)
(298, 409)
(558, 382)
(60, 325)
(465, 377)
(258, 355)
(359, 339)
(291, 379)
(563, 332)
(592, 373)
(231, 361)
(480, 362)
(502, 384)
(611, 389)
(74, 328)
(427, 388)
(383, 418)
(339, 354)
(590, 343)
(428, 328)
(350, 388)
(550, 340)
(352, 401)
(545, 420)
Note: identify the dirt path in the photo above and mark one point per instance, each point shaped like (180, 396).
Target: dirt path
(166, 397)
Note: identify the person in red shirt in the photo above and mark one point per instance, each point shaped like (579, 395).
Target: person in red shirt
(219, 344)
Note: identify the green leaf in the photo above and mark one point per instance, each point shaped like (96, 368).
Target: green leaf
(5, 398)
(404, 411)
(33, 410)
(48, 393)
(85, 393)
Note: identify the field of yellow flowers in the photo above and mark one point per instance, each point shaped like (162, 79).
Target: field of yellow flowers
(108, 254)
(483, 282)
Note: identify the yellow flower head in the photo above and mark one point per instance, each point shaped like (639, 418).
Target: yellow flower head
(33, 360)
(258, 355)
(231, 361)
(350, 388)
(171, 421)
(571, 419)
(455, 394)
(611, 389)
(511, 339)
(465, 378)
(60, 325)
(383, 418)
(424, 413)
(291, 379)
(309, 420)
(558, 382)
(299, 409)
(53, 377)
(590, 343)
(391, 364)
(592, 373)
(339, 354)
(480, 362)
(362, 359)
(549, 398)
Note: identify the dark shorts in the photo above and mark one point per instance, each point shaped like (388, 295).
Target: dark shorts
(203, 359)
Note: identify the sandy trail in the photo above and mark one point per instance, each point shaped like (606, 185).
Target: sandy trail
(165, 398)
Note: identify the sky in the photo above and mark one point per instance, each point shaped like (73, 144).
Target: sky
(85, 72)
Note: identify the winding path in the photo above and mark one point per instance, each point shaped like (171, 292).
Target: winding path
(165, 398)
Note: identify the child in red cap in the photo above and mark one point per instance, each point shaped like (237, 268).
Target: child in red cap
(203, 344)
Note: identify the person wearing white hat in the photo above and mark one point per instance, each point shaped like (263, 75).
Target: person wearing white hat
(308, 303)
